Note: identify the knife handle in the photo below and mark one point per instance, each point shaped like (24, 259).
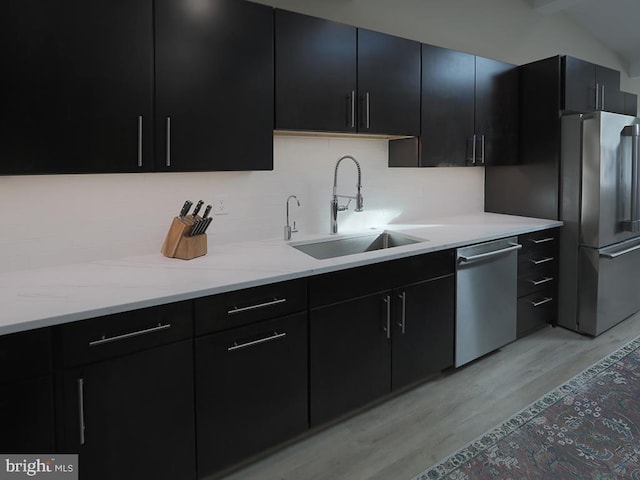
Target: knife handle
(207, 222)
(197, 208)
(185, 208)
(207, 211)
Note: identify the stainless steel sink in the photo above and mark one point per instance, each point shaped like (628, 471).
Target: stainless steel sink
(338, 247)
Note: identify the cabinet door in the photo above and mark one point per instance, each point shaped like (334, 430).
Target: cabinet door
(630, 104)
(496, 113)
(315, 74)
(448, 92)
(133, 417)
(611, 98)
(579, 87)
(77, 85)
(423, 338)
(251, 390)
(350, 355)
(388, 84)
(214, 85)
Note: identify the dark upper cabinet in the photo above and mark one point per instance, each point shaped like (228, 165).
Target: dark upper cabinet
(497, 112)
(469, 113)
(630, 104)
(332, 77)
(588, 87)
(388, 84)
(315, 74)
(448, 106)
(76, 93)
(214, 85)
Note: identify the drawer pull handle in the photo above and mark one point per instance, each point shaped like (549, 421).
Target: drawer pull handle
(81, 408)
(541, 302)
(275, 301)
(124, 336)
(541, 281)
(543, 260)
(538, 241)
(403, 322)
(275, 336)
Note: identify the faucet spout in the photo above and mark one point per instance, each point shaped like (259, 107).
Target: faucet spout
(335, 206)
(287, 228)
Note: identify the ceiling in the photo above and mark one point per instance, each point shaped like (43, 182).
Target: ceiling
(616, 23)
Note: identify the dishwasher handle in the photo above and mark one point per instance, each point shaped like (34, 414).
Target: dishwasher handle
(471, 258)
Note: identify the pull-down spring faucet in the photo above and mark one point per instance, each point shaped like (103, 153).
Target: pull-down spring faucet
(335, 207)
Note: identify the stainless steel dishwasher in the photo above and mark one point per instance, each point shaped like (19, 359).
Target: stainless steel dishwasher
(486, 282)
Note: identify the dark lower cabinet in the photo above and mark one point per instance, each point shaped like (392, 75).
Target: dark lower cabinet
(126, 394)
(132, 417)
(423, 337)
(378, 328)
(26, 393)
(350, 355)
(251, 390)
(214, 85)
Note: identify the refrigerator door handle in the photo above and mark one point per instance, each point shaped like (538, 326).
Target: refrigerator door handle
(633, 225)
(620, 252)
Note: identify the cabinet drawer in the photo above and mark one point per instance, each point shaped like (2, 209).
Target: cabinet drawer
(543, 277)
(536, 310)
(88, 341)
(25, 354)
(240, 307)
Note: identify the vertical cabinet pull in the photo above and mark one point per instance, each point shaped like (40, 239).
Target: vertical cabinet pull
(597, 96)
(403, 311)
(139, 140)
(602, 99)
(81, 409)
(482, 149)
(471, 148)
(353, 109)
(387, 301)
(168, 159)
(368, 106)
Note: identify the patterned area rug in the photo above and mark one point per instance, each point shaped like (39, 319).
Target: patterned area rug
(586, 429)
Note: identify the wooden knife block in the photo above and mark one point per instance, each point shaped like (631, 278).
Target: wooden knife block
(178, 245)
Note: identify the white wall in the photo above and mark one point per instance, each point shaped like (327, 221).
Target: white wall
(51, 220)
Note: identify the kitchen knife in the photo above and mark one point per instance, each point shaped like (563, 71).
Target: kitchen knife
(185, 208)
(195, 227)
(202, 223)
(207, 222)
(197, 209)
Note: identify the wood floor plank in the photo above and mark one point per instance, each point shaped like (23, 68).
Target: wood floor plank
(408, 433)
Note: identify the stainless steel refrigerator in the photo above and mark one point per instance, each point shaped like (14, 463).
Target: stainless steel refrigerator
(599, 204)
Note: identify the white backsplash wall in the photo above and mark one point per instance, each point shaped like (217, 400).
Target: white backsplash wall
(60, 219)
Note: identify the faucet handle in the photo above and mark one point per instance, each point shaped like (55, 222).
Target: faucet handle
(294, 229)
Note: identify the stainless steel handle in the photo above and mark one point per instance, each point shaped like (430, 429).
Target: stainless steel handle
(541, 281)
(270, 338)
(473, 150)
(137, 333)
(139, 140)
(543, 260)
(81, 409)
(368, 106)
(602, 99)
(464, 258)
(620, 252)
(168, 158)
(538, 241)
(275, 301)
(482, 149)
(541, 302)
(403, 318)
(387, 301)
(353, 109)
(633, 225)
(597, 96)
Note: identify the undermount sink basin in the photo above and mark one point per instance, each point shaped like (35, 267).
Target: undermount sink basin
(338, 247)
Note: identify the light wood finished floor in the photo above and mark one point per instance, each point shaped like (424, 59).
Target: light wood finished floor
(404, 435)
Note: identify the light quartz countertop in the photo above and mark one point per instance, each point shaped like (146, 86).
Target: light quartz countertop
(51, 296)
